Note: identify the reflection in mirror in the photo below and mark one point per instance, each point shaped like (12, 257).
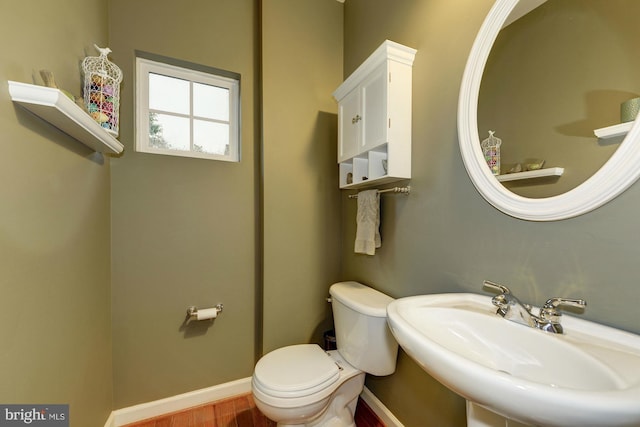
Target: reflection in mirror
(552, 77)
(615, 176)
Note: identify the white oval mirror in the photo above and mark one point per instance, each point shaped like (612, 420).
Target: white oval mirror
(615, 176)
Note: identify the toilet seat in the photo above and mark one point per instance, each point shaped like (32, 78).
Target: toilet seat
(295, 371)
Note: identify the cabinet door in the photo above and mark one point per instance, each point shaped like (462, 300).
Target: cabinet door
(374, 109)
(349, 118)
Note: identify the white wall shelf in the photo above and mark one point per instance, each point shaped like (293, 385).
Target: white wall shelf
(614, 131)
(370, 183)
(530, 174)
(56, 108)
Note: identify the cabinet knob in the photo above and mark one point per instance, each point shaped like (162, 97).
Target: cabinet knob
(356, 119)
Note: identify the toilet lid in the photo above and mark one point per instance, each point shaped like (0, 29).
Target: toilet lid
(296, 370)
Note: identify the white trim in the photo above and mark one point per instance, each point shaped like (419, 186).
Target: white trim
(379, 409)
(179, 402)
(110, 421)
(614, 177)
(143, 411)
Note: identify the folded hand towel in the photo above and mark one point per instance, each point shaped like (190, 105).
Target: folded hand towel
(368, 222)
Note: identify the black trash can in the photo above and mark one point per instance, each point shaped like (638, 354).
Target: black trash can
(330, 340)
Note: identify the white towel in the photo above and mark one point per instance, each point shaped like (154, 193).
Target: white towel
(368, 222)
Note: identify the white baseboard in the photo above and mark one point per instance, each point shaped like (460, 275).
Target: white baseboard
(121, 417)
(380, 410)
(179, 402)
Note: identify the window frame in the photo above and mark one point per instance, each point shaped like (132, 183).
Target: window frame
(193, 73)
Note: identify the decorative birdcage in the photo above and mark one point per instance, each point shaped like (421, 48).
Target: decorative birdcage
(102, 90)
(491, 151)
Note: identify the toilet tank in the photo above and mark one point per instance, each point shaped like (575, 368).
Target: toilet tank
(362, 335)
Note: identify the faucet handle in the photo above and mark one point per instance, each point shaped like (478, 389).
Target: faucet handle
(502, 302)
(556, 302)
(504, 298)
(496, 287)
(551, 309)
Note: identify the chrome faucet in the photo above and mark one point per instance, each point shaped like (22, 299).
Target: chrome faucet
(512, 309)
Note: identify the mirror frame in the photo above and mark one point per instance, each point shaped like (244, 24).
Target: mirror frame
(614, 177)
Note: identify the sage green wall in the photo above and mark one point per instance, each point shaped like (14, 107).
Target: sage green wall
(184, 230)
(301, 67)
(445, 237)
(54, 223)
(189, 231)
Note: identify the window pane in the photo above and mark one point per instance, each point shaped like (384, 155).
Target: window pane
(211, 137)
(168, 94)
(211, 102)
(169, 132)
(187, 112)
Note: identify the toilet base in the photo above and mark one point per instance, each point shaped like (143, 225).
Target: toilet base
(340, 410)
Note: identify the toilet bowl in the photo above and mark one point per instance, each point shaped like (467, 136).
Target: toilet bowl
(299, 393)
(303, 385)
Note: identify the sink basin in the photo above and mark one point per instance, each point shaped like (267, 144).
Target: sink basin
(589, 376)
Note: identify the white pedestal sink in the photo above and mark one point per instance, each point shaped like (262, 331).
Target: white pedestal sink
(588, 377)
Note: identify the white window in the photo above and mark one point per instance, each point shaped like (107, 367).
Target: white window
(190, 112)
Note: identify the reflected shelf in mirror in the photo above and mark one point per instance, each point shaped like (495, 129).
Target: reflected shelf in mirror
(620, 129)
(530, 174)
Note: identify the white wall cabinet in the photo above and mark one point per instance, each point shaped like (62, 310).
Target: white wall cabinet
(374, 119)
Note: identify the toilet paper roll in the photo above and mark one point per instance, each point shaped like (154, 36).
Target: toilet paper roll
(207, 313)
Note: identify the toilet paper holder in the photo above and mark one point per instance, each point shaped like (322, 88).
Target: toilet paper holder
(203, 314)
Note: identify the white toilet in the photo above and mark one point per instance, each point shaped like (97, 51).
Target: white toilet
(302, 385)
